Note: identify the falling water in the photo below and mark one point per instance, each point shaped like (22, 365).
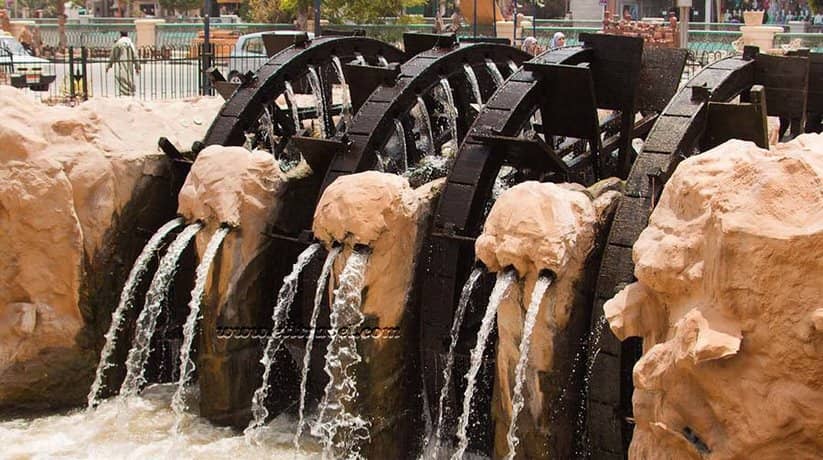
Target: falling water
(343, 432)
(450, 108)
(318, 297)
(291, 100)
(465, 295)
(126, 302)
(401, 135)
(495, 73)
(284, 300)
(338, 67)
(382, 61)
(539, 290)
(512, 66)
(319, 99)
(423, 123)
(358, 58)
(504, 280)
(594, 348)
(472, 78)
(146, 322)
(187, 366)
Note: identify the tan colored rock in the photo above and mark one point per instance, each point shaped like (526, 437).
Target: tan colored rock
(728, 303)
(231, 185)
(66, 177)
(542, 226)
(383, 211)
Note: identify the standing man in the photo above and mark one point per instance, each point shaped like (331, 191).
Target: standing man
(124, 58)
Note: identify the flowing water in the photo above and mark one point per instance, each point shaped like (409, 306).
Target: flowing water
(291, 100)
(504, 280)
(450, 108)
(401, 135)
(304, 377)
(358, 58)
(137, 427)
(495, 73)
(147, 321)
(342, 432)
(285, 297)
(319, 100)
(582, 435)
(423, 126)
(346, 93)
(187, 366)
(518, 401)
(459, 314)
(472, 78)
(126, 303)
(512, 66)
(383, 62)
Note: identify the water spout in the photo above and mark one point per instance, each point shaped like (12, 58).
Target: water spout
(504, 280)
(343, 432)
(187, 366)
(539, 290)
(495, 73)
(291, 100)
(304, 378)
(147, 321)
(319, 100)
(285, 297)
(457, 324)
(126, 303)
(338, 68)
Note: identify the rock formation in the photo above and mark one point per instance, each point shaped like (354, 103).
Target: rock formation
(532, 227)
(383, 212)
(236, 187)
(728, 304)
(81, 190)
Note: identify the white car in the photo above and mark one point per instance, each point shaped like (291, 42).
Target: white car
(13, 57)
(249, 53)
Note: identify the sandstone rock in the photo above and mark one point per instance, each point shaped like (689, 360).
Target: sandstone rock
(383, 211)
(543, 226)
(75, 184)
(728, 305)
(233, 186)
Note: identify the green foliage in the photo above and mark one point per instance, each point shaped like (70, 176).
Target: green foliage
(365, 11)
(815, 5)
(267, 11)
(180, 5)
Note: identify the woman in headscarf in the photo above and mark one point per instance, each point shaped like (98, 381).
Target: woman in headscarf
(530, 46)
(558, 40)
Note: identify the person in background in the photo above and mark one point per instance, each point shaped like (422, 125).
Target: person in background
(124, 58)
(530, 46)
(558, 40)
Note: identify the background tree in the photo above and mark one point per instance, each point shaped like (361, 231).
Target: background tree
(172, 7)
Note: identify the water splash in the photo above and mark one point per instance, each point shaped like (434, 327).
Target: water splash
(304, 378)
(449, 107)
(582, 435)
(338, 68)
(539, 290)
(423, 126)
(457, 324)
(472, 78)
(187, 366)
(504, 280)
(147, 321)
(343, 432)
(291, 100)
(495, 73)
(319, 100)
(126, 303)
(285, 297)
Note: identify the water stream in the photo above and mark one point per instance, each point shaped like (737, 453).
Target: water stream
(539, 290)
(423, 126)
(342, 432)
(450, 108)
(495, 73)
(285, 297)
(147, 321)
(346, 93)
(304, 377)
(187, 365)
(504, 280)
(291, 100)
(126, 303)
(512, 66)
(383, 62)
(319, 100)
(472, 78)
(457, 324)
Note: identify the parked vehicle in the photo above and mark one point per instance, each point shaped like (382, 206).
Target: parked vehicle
(249, 53)
(14, 56)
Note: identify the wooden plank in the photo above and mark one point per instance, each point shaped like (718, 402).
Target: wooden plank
(638, 183)
(631, 218)
(616, 269)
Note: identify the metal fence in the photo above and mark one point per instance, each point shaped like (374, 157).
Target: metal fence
(164, 72)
